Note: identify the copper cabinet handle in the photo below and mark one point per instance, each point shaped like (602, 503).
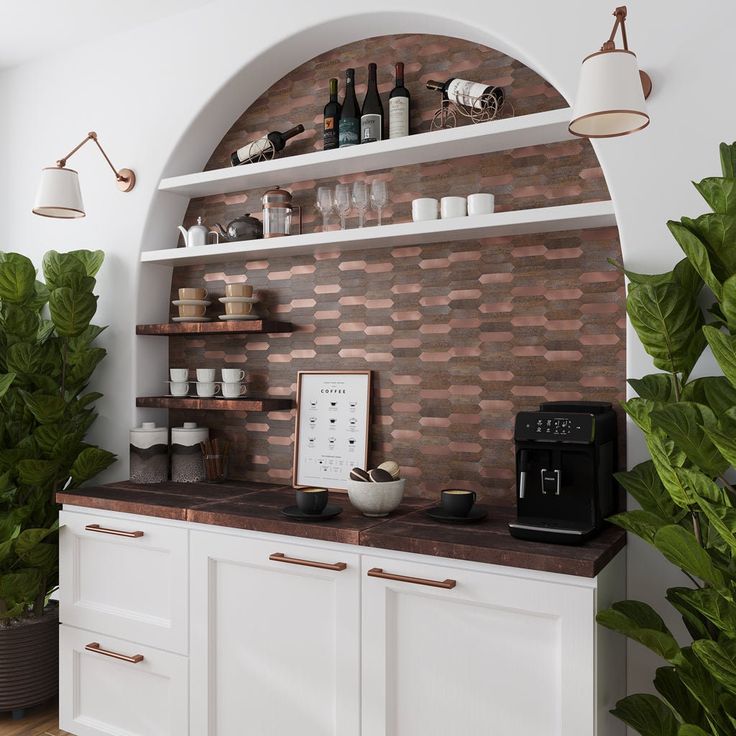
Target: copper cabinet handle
(281, 557)
(114, 532)
(97, 649)
(377, 572)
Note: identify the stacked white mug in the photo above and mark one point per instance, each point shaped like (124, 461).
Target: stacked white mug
(232, 383)
(206, 386)
(179, 383)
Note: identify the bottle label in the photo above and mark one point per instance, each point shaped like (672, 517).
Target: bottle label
(398, 117)
(330, 134)
(370, 128)
(259, 150)
(349, 132)
(466, 93)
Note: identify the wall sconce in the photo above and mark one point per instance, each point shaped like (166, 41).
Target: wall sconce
(59, 194)
(611, 90)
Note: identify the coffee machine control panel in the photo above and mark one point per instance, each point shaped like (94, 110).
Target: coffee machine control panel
(545, 426)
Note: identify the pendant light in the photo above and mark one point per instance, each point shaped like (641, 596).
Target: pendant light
(611, 90)
(59, 194)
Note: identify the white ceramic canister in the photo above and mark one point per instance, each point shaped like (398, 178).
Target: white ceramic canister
(149, 453)
(186, 454)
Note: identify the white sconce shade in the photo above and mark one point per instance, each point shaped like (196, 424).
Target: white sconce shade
(610, 99)
(59, 194)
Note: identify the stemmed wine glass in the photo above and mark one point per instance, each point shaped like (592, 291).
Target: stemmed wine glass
(379, 196)
(342, 202)
(325, 204)
(360, 200)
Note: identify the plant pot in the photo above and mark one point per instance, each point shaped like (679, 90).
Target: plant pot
(29, 661)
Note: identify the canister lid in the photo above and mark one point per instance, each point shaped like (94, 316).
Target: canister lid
(278, 197)
(189, 434)
(148, 434)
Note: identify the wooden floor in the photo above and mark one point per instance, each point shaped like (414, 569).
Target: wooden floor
(40, 721)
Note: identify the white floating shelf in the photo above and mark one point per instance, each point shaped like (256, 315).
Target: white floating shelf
(516, 222)
(495, 135)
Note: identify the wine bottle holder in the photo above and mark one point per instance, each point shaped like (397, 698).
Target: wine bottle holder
(479, 110)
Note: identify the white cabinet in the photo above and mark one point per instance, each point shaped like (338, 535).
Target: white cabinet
(112, 686)
(275, 638)
(126, 577)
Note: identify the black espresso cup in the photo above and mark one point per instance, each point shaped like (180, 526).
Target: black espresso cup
(457, 501)
(311, 500)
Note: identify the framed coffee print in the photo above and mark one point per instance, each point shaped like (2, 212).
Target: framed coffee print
(332, 423)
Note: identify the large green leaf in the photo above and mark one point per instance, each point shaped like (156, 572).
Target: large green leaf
(642, 623)
(690, 729)
(700, 486)
(83, 364)
(642, 523)
(6, 381)
(724, 437)
(17, 589)
(30, 548)
(697, 254)
(655, 387)
(46, 408)
(713, 391)
(643, 483)
(91, 260)
(667, 458)
(668, 321)
(718, 232)
(678, 697)
(686, 424)
(17, 278)
(90, 462)
(727, 152)
(681, 548)
(706, 690)
(640, 410)
(694, 620)
(71, 311)
(712, 606)
(36, 472)
(59, 268)
(724, 351)
(728, 302)
(646, 714)
(718, 661)
(24, 358)
(20, 322)
(719, 192)
(40, 296)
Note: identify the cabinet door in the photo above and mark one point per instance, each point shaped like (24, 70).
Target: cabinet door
(113, 686)
(275, 644)
(487, 654)
(127, 578)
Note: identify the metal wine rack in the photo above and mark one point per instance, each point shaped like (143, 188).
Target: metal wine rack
(479, 110)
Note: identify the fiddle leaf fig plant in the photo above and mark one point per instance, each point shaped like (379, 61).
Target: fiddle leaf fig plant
(47, 357)
(686, 492)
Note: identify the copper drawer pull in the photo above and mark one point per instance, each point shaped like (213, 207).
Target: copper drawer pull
(281, 557)
(97, 649)
(377, 572)
(114, 532)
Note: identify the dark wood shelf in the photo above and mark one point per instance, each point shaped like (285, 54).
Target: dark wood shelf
(217, 327)
(194, 402)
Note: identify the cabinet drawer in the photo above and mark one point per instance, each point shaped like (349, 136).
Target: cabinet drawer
(124, 577)
(114, 686)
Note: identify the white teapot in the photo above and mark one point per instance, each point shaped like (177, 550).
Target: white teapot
(197, 234)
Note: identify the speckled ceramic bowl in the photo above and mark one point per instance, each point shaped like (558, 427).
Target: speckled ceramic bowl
(375, 499)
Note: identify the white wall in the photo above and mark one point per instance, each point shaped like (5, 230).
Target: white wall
(147, 91)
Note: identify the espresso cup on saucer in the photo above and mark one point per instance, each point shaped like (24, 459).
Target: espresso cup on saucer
(207, 389)
(206, 375)
(190, 293)
(192, 310)
(232, 375)
(238, 307)
(453, 207)
(311, 500)
(480, 204)
(457, 501)
(179, 375)
(238, 290)
(179, 388)
(424, 208)
(233, 390)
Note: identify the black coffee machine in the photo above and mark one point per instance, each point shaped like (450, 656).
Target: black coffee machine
(565, 460)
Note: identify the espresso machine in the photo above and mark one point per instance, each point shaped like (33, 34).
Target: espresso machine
(565, 460)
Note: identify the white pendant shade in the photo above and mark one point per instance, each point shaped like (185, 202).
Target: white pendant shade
(610, 99)
(59, 194)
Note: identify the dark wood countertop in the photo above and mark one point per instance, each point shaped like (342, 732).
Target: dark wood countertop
(257, 507)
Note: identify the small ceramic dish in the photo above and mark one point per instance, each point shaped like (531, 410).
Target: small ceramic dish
(239, 316)
(191, 303)
(238, 300)
(375, 499)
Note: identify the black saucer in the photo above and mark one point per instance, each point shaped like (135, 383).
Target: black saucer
(477, 513)
(329, 512)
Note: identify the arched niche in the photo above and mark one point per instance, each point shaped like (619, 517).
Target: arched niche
(461, 335)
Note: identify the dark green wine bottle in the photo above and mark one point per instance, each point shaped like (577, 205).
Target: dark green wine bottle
(331, 127)
(350, 114)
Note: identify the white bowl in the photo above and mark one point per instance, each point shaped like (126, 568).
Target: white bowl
(376, 499)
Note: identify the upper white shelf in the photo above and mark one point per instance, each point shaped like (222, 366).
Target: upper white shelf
(499, 224)
(495, 135)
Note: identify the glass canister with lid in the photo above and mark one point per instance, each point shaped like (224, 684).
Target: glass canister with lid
(187, 465)
(149, 453)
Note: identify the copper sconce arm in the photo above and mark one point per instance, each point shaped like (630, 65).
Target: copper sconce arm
(125, 177)
(610, 45)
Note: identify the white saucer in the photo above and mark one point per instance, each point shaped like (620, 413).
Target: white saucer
(190, 303)
(191, 319)
(240, 316)
(238, 299)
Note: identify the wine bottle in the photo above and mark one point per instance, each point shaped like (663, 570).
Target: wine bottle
(262, 148)
(331, 128)
(371, 116)
(350, 114)
(398, 106)
(468, 94)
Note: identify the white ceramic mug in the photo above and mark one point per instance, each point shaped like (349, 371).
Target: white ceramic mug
(480, 204)
(232, 375)
(206, 388)
(424, 208)
(452, 207)
(179, 388)
(206, 375)
(233, 390)
(179, 374)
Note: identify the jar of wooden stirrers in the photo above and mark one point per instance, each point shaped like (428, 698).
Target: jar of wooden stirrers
(215, 455)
